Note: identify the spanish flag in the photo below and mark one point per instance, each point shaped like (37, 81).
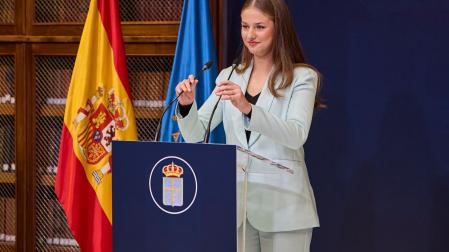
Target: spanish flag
(98, 110)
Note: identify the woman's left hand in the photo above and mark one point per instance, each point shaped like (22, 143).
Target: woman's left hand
(232, 92)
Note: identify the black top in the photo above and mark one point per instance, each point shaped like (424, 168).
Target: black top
(184, 110)
(252, 100)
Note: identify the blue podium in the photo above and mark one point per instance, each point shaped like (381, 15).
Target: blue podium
(180, 197)
(174, 197)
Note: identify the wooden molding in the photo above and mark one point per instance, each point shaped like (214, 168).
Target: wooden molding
(8, 29)
(76, 39)
(148, 29)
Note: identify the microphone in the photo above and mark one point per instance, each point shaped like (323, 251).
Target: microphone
(207, 133)
(205, 67)
(156, 137)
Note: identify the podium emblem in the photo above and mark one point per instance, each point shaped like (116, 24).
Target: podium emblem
(172, 185)
(179, 185)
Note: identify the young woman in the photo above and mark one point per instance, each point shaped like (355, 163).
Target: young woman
(267, 107)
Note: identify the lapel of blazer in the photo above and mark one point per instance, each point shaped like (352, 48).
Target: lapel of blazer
(265, 100)
(242, 80)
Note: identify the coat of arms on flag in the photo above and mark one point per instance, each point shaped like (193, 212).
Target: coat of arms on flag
(96, 125)
(172, 185)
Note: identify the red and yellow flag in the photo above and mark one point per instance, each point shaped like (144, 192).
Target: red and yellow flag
(98, 110)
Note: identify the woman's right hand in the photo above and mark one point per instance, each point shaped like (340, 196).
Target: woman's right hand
(187, 87)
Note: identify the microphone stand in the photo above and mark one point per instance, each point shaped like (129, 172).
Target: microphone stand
(207, 133)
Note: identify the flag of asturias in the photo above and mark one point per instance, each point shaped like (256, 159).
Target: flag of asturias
(98, 110)
(195, 47)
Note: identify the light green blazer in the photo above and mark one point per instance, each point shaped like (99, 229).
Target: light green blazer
(277, 200)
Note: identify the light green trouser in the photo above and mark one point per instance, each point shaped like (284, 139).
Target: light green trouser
(291, 241)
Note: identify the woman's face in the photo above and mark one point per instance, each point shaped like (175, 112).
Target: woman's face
(257, 32)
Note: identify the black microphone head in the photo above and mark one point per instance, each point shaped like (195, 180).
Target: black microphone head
(207, 65)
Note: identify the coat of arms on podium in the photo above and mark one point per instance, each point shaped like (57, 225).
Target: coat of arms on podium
(172, 185)
(179, 185)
